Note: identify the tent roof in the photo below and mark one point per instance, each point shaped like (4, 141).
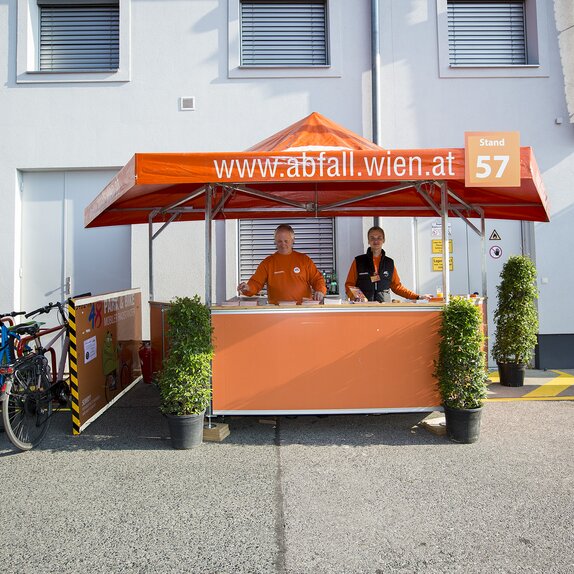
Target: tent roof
(315, 132)
(313, 168)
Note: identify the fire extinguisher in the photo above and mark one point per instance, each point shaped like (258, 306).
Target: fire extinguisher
(145, 361)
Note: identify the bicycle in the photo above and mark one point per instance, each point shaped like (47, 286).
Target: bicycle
(9, 337)
(28, 389)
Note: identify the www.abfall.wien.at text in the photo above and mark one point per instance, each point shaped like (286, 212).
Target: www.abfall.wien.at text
(335, 166)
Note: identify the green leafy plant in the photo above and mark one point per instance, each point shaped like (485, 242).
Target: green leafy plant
(184, 382)
(516, 316)
(461, 365)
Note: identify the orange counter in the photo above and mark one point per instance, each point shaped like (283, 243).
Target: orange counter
(327, 359)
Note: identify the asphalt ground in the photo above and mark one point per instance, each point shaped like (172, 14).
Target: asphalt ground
(340, 494)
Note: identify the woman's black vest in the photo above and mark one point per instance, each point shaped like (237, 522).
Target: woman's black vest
(366, 268)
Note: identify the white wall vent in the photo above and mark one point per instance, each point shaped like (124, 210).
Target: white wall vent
(187, 103)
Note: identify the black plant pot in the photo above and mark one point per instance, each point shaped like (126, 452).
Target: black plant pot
(462, 425)
(511, 374)
(186, 430)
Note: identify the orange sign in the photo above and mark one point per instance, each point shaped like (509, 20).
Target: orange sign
(492, 159)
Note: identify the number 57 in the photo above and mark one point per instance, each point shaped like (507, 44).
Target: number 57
(484, 168)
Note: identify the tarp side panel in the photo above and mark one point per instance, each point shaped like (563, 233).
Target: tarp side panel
(114, 190)
(535, 176)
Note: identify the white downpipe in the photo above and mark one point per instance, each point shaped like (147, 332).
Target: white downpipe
(375, 72)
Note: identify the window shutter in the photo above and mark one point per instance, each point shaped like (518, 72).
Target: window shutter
(313, 236)
(79, 37)
(487, 33)
(284, 33)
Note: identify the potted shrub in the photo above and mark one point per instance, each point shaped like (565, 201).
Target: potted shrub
(185, 380)
(461, 369)
(515, 320)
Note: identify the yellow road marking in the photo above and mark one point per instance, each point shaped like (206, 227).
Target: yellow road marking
(528, 398)
(563, 374)
(551, 388)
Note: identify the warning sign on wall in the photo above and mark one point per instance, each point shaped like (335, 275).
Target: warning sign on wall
(494, 236)
(437, 246)
(437, 264)
(495, 252)
(436, 228)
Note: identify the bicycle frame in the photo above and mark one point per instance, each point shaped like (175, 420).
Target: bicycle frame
(58, 370)
(61, 332)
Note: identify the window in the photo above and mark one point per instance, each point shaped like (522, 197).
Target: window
(283, 33)
(284, 39)
(73, 41)
(313, 236)
(486, 33)
(492, 38)
(79, 37)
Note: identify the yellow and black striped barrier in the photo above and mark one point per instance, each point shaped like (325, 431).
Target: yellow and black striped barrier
(73, 354)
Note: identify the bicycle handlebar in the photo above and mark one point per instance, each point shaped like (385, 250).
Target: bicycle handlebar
(12, 314)
(46, 309)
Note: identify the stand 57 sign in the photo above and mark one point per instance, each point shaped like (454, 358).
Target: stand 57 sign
(492, 159)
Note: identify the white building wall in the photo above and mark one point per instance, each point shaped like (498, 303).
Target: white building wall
(180, 48)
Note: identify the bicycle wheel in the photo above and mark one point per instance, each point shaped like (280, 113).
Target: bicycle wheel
(125, 376)
(27, 404)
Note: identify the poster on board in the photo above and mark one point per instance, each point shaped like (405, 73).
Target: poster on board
(107, 339)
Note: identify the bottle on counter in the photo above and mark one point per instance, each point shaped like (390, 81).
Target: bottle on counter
(333, 288)
(327, 277)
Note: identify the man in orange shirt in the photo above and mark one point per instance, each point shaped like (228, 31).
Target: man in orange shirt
(375, 274)
(289, 275)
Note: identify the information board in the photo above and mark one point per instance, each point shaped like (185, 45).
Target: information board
(106, 362)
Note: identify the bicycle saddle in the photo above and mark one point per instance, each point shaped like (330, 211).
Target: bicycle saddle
(30, 328)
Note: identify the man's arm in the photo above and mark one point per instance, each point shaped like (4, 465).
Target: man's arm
(256, 282)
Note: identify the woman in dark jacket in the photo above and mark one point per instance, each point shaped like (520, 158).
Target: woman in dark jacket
(375, 274)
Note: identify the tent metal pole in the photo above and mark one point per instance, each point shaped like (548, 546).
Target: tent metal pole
(208, 246)
(150, 254)
(208, 253)
(445, 246)
(483, 248)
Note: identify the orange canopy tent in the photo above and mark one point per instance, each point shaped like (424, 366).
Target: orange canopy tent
(313, 168)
